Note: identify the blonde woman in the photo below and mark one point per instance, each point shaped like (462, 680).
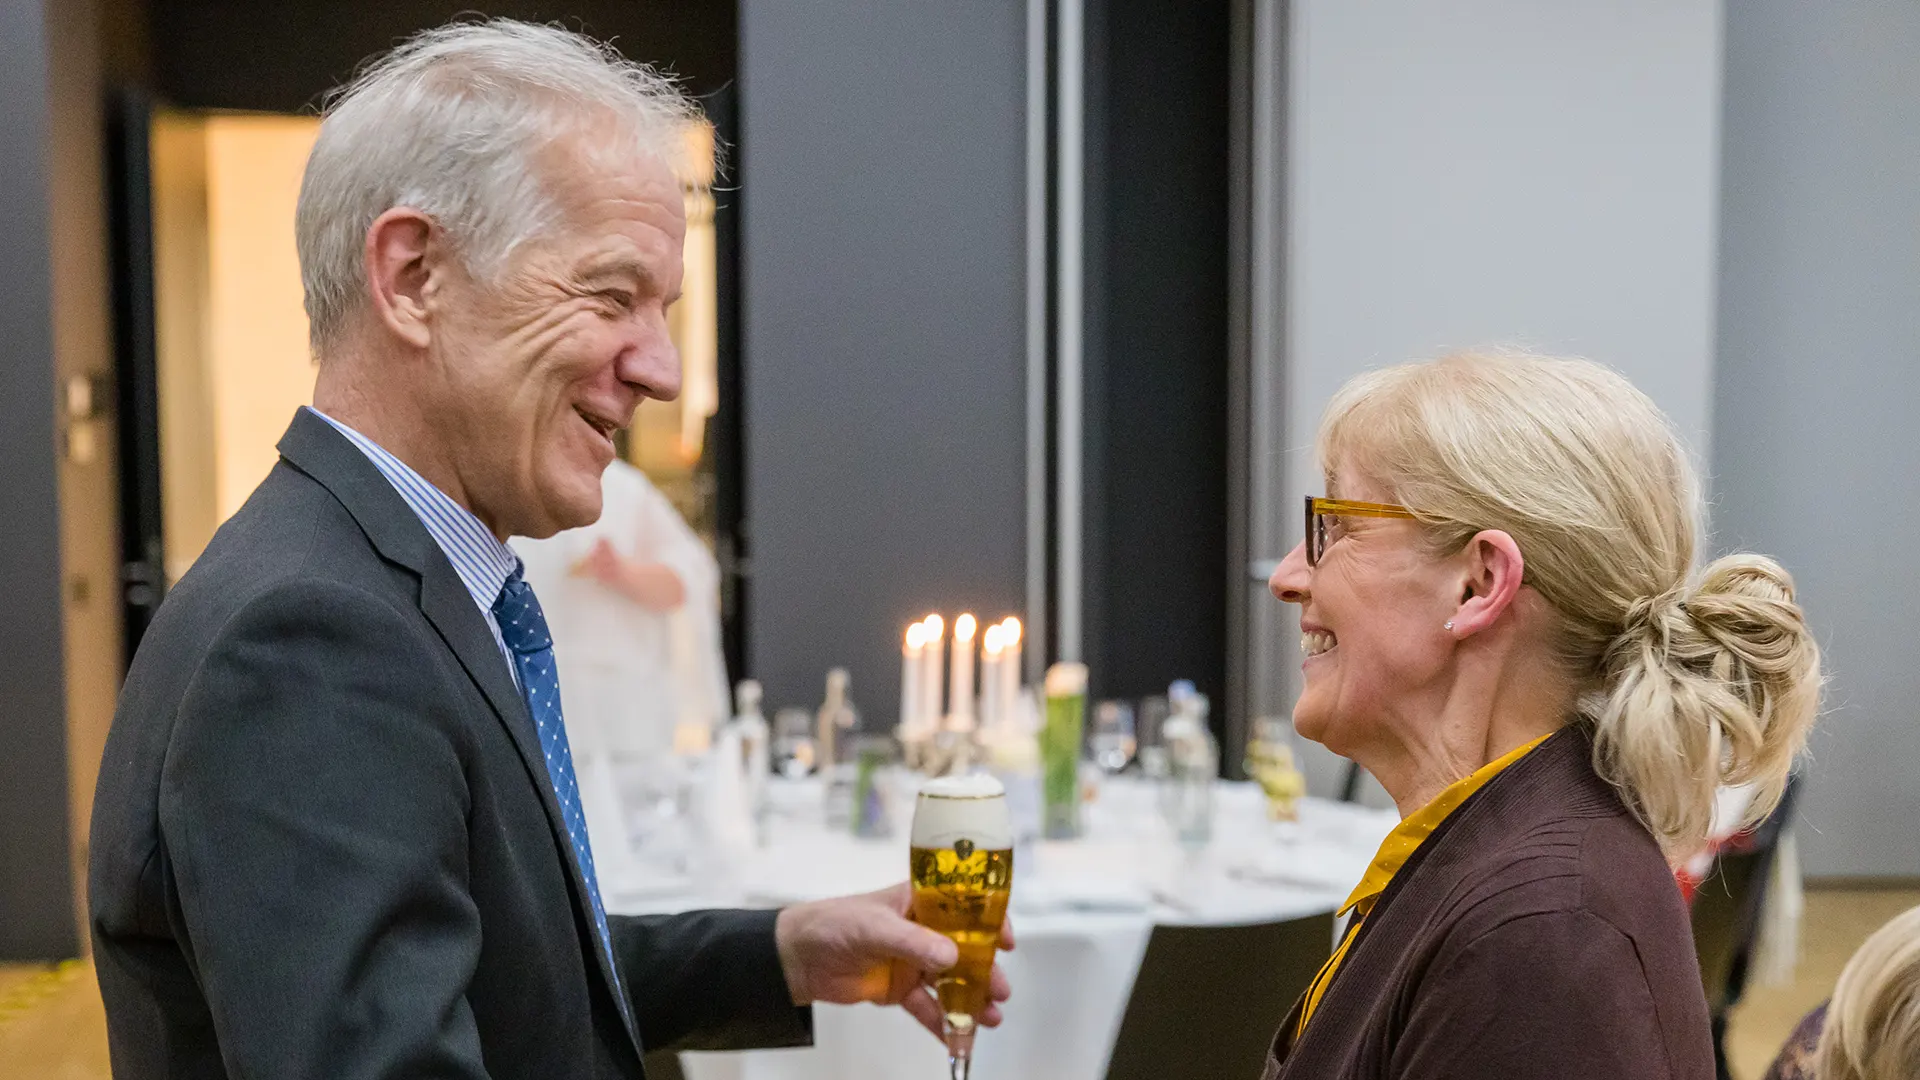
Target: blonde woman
(1503, 624)
(1871, 1028)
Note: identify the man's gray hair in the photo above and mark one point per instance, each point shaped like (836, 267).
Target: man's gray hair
(451, 123)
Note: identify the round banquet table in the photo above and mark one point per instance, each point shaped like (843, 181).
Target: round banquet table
(1082, 913)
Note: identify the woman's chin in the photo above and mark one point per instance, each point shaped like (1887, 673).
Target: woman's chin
(1309, 721)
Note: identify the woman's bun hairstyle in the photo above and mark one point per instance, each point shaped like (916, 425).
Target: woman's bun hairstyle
(1716, 684)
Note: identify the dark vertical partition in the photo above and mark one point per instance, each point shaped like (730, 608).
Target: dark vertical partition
(36, 878)
(883, 342)
(1158, 98)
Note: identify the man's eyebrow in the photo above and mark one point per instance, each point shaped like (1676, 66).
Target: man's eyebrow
(621, 266)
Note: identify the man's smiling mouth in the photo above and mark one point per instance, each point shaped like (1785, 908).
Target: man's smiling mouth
(606, 428)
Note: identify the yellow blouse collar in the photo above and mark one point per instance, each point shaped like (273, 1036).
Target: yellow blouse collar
(1407, 836)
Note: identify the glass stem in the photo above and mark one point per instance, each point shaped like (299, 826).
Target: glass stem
(960, 1048)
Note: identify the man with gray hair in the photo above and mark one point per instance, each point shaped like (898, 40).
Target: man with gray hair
(337, 831)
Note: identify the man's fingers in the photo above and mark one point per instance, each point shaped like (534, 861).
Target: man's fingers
(898, 897)
(992, 1017)
(1006, 934)
(999, 989)
(916, 944)
(920, 1005)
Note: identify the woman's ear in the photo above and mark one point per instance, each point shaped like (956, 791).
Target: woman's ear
(1493, 569)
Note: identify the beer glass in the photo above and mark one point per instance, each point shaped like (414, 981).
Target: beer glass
(962, 863)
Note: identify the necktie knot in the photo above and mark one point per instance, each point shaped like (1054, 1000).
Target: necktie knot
(523, 626)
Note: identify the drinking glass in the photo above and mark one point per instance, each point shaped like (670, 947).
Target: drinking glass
(1060, 742)
(793, 746)
(1154, 710)
(1111, 741)
(1270, 763)
(962, 870)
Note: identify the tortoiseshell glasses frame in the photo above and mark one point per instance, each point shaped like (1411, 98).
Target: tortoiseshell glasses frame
(1323, 520)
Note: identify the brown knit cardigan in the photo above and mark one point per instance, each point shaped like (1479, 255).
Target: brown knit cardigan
(1538, 933)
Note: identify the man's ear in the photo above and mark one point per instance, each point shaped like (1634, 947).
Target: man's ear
(1492, 572)
(402, 257)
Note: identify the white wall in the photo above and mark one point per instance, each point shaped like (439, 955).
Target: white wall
(1533, 171)
(1816, 446)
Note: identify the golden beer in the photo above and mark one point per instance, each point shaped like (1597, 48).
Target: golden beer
(962, 871)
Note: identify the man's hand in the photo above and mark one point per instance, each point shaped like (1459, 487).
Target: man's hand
(866, 948)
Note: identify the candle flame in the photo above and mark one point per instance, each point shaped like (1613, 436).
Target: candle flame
(964, 627)
(917, 636)
(1010, 632)
(994, 640)
(936, 626)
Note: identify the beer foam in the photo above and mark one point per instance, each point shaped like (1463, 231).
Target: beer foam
(955, 808)
(970, 786)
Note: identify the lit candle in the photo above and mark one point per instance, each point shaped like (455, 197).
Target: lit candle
(960, 686)
(931, 675)
(992, 648)
(910, 664)
(1009, 666)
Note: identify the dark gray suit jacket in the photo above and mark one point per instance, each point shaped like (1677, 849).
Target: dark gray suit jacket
(325, 844)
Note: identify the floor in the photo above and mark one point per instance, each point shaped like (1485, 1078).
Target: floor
(1836, 922)
(52, 1028)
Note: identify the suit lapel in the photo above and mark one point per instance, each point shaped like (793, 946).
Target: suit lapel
(312, 446)
(449, 607)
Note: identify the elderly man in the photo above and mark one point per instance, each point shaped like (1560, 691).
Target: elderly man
(337, 831)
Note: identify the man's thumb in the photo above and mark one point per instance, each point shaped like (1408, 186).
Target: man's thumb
(931, 950)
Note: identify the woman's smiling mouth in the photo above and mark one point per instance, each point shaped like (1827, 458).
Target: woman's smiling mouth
(1315, 642)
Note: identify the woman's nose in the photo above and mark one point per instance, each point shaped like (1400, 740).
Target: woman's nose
(1292, 580)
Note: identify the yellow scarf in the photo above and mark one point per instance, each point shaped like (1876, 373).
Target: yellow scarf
(1395, 850)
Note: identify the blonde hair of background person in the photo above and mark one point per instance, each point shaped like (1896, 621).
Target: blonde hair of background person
(1690, 681)
(1872, 1030)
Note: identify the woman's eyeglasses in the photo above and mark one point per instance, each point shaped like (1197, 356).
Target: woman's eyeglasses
(1323, 520)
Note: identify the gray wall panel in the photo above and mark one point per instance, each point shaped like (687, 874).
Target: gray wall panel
(1816, 452)
(1497, 171)
(883, 253)
(36, 884)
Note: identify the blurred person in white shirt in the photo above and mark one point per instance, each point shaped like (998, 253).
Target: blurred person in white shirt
(633, 603)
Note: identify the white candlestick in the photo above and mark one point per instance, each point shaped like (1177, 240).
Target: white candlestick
(911, 663)
(931, 675)
(1009, 666)
(991, 657)
(960, 705)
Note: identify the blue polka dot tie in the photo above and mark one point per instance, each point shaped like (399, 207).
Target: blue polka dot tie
(524, 629)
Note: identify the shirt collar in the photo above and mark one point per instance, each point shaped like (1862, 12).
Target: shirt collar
(481, 560)
(1407, 836)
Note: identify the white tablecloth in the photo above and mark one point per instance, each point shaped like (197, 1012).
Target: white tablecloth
(1082, 913)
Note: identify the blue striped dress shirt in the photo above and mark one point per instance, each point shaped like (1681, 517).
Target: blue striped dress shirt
(481, 560)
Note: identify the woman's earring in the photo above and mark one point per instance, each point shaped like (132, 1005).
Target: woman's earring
(1449, 625)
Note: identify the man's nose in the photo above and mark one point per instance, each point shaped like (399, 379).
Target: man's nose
(650, 363)
(1292, 580)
